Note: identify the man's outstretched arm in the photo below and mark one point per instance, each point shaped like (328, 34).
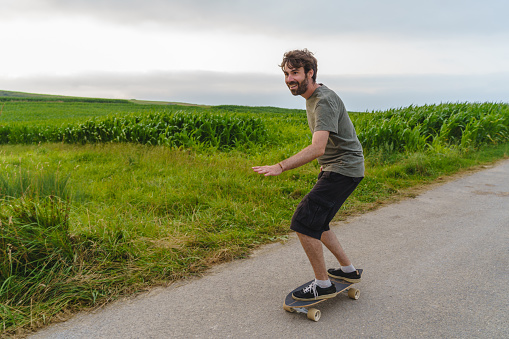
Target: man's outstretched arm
(308, 154)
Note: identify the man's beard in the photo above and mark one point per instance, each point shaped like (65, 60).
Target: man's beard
(302, 87)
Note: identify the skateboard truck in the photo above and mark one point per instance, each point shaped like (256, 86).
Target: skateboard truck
(312, 313)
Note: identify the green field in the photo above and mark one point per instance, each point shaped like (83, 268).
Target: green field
(103, 199)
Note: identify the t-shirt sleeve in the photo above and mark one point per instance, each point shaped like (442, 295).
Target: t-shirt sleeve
(327, 116)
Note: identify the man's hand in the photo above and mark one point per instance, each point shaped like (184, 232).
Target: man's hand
(269, 170)
(310, 153)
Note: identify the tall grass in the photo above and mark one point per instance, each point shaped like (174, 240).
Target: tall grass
(44, 268)
(21, 182)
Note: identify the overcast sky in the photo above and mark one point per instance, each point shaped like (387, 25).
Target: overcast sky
(374, 54)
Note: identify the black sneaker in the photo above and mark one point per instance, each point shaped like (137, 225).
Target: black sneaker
(353, 277)
(315, 292)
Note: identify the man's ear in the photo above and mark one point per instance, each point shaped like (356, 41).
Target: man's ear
(311, 73)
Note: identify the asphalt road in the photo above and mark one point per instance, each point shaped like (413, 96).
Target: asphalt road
(434, 266)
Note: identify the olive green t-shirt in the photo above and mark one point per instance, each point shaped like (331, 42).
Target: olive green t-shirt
(343, 153)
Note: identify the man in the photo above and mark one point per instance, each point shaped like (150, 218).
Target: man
(336, 147)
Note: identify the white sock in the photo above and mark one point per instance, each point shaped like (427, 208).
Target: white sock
(348, 269)
(323, 283)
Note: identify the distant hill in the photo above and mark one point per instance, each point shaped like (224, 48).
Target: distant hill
(22, 96)
(10, 94)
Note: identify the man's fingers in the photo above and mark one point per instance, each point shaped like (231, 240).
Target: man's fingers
(259, 169)
(267, 170)
(262, 170)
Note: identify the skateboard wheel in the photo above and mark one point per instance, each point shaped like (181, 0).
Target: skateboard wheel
(354, 293)
(288, 309)
(314, 314)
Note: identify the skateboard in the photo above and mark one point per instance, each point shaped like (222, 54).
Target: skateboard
(291, 305)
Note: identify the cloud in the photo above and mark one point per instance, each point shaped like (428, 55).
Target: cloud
(359, 92)
(380, 92)
(198, 87)
(432, 18)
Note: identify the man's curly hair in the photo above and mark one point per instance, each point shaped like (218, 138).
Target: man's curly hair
(300, 58)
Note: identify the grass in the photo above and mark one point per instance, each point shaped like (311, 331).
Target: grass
(57, 113)
(82, 224)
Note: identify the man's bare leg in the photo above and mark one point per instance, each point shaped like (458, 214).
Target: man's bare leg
(314, 250)
(330, 241)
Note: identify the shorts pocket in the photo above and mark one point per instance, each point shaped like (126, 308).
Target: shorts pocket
(312, 212)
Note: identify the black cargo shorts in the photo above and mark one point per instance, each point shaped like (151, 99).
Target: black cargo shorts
(320, 205)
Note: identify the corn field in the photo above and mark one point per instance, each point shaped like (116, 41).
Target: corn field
(173, 129)
(410, 129)
(417, 128)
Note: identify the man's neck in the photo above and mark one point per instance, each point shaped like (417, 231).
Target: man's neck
(311, 89)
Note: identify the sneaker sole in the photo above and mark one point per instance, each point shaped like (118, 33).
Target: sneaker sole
(320, 297)
(353, 281)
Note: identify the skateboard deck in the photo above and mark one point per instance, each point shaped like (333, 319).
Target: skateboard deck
(291, 305)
